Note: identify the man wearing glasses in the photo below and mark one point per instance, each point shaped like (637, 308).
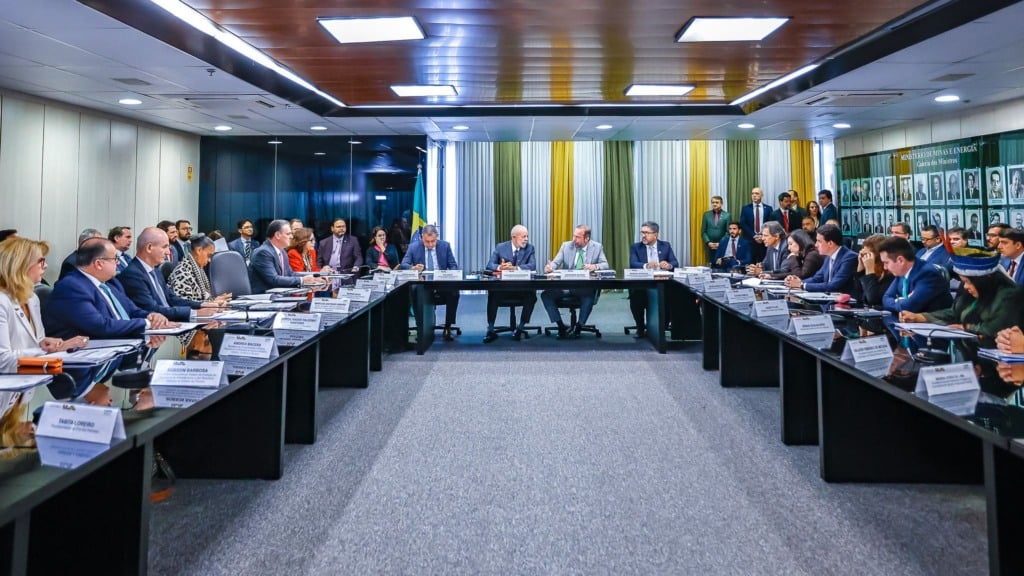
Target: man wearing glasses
(91, 303)
(270, 269)
(932, 251)
(653, 254)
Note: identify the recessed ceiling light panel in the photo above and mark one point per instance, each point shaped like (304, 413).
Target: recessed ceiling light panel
(318, 128)
(841, 125)
(354, 30)
(658, 90)
(460, 127)
(222, 128)
(746, 126)
(408, 90)
(947, 98)
(604, 126)
(275, 142)
(728, 29)
(319, 153)
(129, 101)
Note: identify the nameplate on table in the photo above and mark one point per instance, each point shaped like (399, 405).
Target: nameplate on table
(97, 424)
(769, 308)
(517, 275)
(355, 294)
(637, 274)
(743, 296)
(243, 354)
(679, 273)
(575, 274)
(717, 286)
(374, 285)
(817, 324)
(448, 275)
(330, 305)
(189, 373)
(860, 350)
(947, 379)
(297, 322)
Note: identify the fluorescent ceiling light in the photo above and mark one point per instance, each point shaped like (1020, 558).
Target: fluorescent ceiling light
(222, 128)
(319, 153)
(405, 90)
(460, 127)
(947, 98)
(275, 142)
(203, 24)
(380, 197)
(746, 126)
(658, 90)
(728, 29)
(355, 142)
(353, 30)
(776, 83)
(604, 126)
(841, 125)
(318, 128)
(129, 101)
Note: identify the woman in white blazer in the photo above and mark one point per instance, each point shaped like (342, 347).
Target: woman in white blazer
(22, 264)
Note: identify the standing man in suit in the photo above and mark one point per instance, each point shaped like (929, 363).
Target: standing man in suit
(837, 272)
(245, 244)
(1011, 246)
(794, 204)
(146, 286)
(652, 253)
(90, 302)
(932, 251)
(516, 254)
(828, 209)
(172, 235)
(734, 250)
(580, 253)
(70, 263)
(121, 236)
(785, 215)
(180, 245)
(713, 227)
(918, 287)
(269, 267)
(752, 218)
(429, 254)
(340, 250)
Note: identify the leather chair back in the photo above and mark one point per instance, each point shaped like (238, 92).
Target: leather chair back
(228, 273)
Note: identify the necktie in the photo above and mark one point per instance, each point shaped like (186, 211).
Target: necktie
(159, 289)
(515, 257)
(757, 218)
(831, 261)
(716, 218)
(906, 286)
(579, 259)
(430, 260)
(1013, 267)
(785, 219)
(732, 245)
(248, 251)
(280, 260)
(118, 309)
(652, 254)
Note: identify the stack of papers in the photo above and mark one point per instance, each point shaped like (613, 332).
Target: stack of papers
(181, 329)
(92, 356)
(933, 330)
(1003, 357)
(19, 382)
(243, 316)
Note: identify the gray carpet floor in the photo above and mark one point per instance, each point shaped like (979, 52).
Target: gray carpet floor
(546, 457)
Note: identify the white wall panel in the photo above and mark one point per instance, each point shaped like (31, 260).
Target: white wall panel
(120, 178)
(21, 159)
(59, 196)
(945, 129)
(147, 177)
(170, 178)
(918, 134)
(894, 138)
(94, 176)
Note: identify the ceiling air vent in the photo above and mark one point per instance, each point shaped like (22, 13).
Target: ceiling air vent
(132, 81)
(951, 77)
(850, 98)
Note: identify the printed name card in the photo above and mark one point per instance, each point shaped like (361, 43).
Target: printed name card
(296, 321)
(575, 274)
(97, 424)
(637, 274)
(242, 353)
(516, 275)
(447, 274)
(817, 324)
(374, 285)
(330, 305)
(355, 294)
(769, 308)
(861, 350)
(744, 296)
(717, 286)
(948, 379)
(680, 273)
(182, 383)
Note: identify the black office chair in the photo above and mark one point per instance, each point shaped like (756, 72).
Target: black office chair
(573, 303)
(166, 268)
(228, 273)
(511, 302)
(43, 293)
(438, 302)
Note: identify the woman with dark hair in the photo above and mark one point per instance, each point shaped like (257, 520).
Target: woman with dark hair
(803, 260)
(188, 279)
(814, 213)
(381, 254)
(871, 274)
(302, 252)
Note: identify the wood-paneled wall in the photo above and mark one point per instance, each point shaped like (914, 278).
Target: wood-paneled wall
(63, 169)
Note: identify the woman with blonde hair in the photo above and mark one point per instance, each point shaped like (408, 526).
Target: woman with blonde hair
(22, 264)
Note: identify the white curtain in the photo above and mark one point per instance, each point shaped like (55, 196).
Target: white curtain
(717, 173)
(474, 203)
(773, 171)
(536, 165)
(662, 191)
(588, 186)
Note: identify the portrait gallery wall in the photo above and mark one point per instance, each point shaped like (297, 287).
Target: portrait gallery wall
(972, 183)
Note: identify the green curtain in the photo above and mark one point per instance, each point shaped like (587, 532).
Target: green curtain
(508, 188)
(617, 230)
(741, 174)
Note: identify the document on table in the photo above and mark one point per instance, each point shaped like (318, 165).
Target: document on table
(998, 356)
(92, 357)
(242, 315)
(93, 344)
(16, 382)
(181, 329)
(933, 330)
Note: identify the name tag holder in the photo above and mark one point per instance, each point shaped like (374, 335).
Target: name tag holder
(447, 275)
(516, 275)
(297, 322)
(242, 354)
(872, 355)
(355, 294)
(717, 287)
(637, 274)
(182, 383)
(330, 305)
(81, 422)
(817, 331)
(575, 275)
(953, 387)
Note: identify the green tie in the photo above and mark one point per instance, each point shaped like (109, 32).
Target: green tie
(118, 309)
(579, 258)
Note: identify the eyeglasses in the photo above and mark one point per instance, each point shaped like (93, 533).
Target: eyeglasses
(112, 258)
(646, 232)
(41, 262)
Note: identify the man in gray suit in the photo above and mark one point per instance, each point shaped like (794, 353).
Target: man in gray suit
(714, 226)
(580, 254)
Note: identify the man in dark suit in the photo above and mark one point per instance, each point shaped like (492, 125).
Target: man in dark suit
(180, 245)
(90, 302)
(172, 235)
(147, 287)
(828, 209)
(340, 250)
(652, 253)
(752, 218)
(932, 250)
(971, 192)
(1011, 247)
(785, 215)
(919, 286)
(430, 253)
(70, 263)
(837, 273)
(245, 244)
(713, 227)
(777, 252)
(516, 254)
(269, 265)
(733, 250)
(121, 236)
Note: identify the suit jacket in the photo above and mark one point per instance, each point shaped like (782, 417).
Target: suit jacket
(265, 271)
(742, 250)
(180, 248)
(373, 256)
(709, 232)
(927, 291)
(417, 254)
(1018, 274)
(139, 288)
(239, 247)
(16, 332)
(76, 307)
(843, 274)
(526, 259)
(68, 265)
(593, 253)
(297, 264)
(940, 257)
(351, 255)
(747, 220)
(638, 254)
(775, 259)
(794, 220)
(829, 212)
(123, 259)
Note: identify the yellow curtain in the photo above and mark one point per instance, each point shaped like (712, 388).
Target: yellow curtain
(700, 198)
(801, 166)
(561, 194)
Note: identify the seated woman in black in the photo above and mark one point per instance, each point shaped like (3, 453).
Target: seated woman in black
(872, 277)
(803, 260)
